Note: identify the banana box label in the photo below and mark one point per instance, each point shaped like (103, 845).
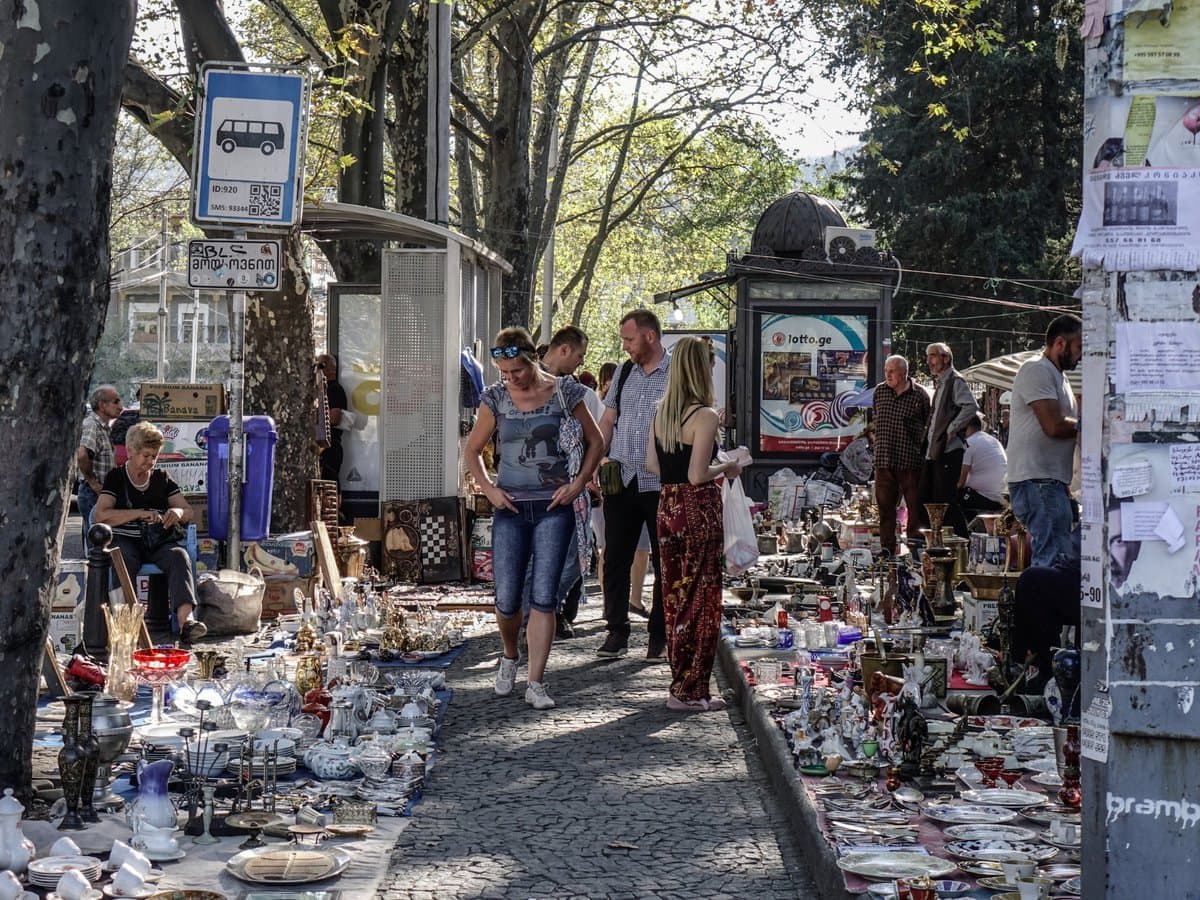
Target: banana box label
(283, 554)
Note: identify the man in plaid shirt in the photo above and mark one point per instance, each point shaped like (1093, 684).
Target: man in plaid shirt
(901, 418)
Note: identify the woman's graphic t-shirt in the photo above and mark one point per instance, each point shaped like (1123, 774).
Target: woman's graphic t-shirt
(532, 465)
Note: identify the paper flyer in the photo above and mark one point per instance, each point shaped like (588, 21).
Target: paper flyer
(1141, 184)
(1163, 42)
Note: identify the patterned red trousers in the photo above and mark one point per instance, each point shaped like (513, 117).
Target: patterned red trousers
(691, 536)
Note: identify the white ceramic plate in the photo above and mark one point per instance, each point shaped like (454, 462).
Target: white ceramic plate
(164, 857)
(998, 850)
(888, 866)
(1044, 764)
(968, 814)
(1053, 841)
(152, 875)
(1072, 886)
(990, 833)
(111, 890)
(334, 863)
(56, 866)
(1049, 779)
(1004, 797)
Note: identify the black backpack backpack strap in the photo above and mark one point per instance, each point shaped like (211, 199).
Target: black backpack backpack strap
(626, 368)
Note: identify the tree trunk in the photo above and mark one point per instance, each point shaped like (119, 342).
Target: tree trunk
(279, 339)
(60, 85)
(408, 77)
(507, 221)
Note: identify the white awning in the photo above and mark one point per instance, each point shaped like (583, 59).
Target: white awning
(1000, 372)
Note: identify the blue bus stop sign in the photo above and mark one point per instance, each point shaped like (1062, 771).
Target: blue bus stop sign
(248, 162)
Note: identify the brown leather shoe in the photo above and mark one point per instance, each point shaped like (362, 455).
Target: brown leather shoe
(657, 651)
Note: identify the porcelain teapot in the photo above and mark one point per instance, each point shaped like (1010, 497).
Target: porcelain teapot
(330, 761)
(15, 849)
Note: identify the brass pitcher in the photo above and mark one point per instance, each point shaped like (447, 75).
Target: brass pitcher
(308, 673)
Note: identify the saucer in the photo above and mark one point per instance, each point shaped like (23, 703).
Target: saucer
(152, 875)
(144, 891)
(168, 856)
(93, 894)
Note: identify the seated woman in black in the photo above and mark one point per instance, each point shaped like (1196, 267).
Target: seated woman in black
(137, 493)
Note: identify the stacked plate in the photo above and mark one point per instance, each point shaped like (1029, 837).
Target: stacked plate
(284, 746)
(44, 873)
(285, 765)
(205, 762)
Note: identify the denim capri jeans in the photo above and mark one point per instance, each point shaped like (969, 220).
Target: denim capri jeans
(531, 533)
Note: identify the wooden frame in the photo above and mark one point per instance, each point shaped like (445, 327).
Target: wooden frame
(52, 673)
(327, 560)
(128, 589)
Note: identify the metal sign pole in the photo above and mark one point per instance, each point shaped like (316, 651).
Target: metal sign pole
(237, 378)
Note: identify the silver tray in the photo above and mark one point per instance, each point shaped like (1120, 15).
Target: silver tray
(890, 865)
(968, 813)
(994, 851)
(339, 859)
(1005, 797)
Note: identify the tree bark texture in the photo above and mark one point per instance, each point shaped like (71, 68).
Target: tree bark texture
(507, 222)
(279, 325)
(279, 384)
(408, 77)
(61, 68)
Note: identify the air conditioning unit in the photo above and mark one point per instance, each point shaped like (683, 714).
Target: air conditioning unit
(842, 243)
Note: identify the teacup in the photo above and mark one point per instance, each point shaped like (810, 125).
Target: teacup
(10, 886)
(158, 841)
(1017, 868)
(1034, 888)
(128, 880)
(137, 861)
(64, 846)
(73, 886)
(119, 853)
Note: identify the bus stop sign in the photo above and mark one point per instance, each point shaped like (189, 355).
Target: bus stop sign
(249, 156)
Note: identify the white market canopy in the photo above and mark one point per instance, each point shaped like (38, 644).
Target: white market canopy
(1000, 372)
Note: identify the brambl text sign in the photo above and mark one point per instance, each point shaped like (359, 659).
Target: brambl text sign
(234, 265)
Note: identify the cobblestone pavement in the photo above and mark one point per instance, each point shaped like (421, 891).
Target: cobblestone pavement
(610, 795)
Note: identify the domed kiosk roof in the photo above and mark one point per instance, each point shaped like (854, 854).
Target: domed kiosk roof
(793, 224)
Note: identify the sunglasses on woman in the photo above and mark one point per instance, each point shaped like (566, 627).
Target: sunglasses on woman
(509, 352)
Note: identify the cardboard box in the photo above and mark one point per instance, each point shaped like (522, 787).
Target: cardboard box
(207, 555)
(181, 402)
(280, 598)
(71, 582)
(292, 554)
(63, 633)
(183, 440)
(199, 504)
(481, 565)
(190, 474)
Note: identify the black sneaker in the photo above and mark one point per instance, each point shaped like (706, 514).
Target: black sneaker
(563, 628)
(192, 631)
(614, 646)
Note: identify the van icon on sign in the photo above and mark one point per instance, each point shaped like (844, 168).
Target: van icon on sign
(264, 136)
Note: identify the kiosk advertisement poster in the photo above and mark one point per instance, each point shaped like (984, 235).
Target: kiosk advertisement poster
(809, 367)
(358, 349)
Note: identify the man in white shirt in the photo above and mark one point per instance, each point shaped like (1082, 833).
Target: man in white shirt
(984, 466)
(1043, 430)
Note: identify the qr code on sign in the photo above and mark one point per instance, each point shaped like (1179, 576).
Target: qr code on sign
(266, 199)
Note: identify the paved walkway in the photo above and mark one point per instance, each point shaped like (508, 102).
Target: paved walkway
(610, 795)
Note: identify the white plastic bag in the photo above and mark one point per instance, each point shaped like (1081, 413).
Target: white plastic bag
(741, 544)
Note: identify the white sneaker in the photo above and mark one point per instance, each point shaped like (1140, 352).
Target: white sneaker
(506, 676)
(536, 696)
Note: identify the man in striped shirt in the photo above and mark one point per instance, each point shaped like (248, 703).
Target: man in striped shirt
(901, 412)
(626, 423)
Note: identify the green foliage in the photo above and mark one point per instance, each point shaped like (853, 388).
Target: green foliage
(969, 164)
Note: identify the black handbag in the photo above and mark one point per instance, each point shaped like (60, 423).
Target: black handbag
(156, 536)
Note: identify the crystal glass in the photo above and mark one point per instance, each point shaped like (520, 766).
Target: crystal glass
(124, 629)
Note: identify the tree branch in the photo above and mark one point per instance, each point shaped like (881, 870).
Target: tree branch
(162, 110)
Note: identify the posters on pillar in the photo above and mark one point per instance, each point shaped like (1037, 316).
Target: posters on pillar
(1093, 728)
(810, 368)
(1158, 356)
(1162, 40)
(1091, 423)
(1162, 295)
(1149, 548)
(1141, 184)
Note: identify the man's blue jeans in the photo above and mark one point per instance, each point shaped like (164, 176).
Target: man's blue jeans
(1043, 506)
(85, 499)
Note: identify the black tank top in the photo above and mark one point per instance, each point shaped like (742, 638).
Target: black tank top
(673, 465)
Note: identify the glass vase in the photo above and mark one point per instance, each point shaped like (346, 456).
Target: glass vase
(124, 628)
